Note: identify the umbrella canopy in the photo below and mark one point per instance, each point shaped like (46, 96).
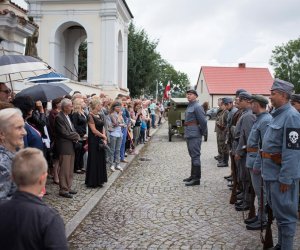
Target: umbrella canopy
(46, 78)
(45, 92)
(19, 67)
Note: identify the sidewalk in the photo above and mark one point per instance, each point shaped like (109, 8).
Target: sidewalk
(74, 210)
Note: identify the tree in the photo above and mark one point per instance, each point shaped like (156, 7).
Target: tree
(146, 67)
(82, 61)
(286, 62)
(142, 61)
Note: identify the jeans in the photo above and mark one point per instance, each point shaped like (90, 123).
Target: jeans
(153, 121)
(122, 150)
(115, 146)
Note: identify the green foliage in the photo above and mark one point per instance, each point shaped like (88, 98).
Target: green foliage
(286, 62)
(146, 68)
(82, 61)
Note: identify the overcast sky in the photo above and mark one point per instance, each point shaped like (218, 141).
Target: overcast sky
(195, 33)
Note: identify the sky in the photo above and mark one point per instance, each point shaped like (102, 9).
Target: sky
(195, 33)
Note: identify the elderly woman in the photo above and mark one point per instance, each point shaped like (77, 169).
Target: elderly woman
(12, 132)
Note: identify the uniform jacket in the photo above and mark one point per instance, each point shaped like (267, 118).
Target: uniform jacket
(255, 139)
(7, 187)
(243, 129)
(195, 113)
(28, 223)
(64, 135)
(282, 136)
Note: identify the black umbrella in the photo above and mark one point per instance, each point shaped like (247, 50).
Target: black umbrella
(46, 92)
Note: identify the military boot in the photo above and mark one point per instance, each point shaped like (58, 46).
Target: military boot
(191, 177)
(196, 175)
(224, 163)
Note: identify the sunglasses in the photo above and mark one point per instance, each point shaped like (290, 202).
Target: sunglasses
(7, 91)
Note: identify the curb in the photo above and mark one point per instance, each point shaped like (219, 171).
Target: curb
(72, 224)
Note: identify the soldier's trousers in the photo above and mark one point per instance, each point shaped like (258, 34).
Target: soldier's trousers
(256, 183)
(194, 148)
(245, 179)
(284, 206)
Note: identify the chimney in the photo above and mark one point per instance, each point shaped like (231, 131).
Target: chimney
(242, 65)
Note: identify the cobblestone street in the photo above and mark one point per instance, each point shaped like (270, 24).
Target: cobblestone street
(148, 206)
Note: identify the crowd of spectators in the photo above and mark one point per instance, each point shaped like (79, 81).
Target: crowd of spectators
(81, 134)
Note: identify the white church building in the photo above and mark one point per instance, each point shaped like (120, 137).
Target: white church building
(103, 24)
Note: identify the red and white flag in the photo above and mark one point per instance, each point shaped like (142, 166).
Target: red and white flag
(167, 91)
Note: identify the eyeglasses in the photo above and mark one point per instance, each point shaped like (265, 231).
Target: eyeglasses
(7, 91)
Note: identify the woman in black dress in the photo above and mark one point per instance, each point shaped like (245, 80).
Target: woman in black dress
(96, 173)
(79, 121)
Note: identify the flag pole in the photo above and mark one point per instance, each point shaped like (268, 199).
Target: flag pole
(156, 92)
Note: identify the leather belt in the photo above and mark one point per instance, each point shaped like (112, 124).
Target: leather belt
(275, 157)
(252, 150)
(192, 123)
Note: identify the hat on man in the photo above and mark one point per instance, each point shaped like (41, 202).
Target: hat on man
(295, 98)
(239, 91)
(283, 86)
(227, 100)
(192, 91)
(260, 99)
(245, 95)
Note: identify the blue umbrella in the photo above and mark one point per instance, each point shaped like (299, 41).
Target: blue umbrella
(46, 78)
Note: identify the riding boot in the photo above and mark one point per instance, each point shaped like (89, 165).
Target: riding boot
(196, 175)
(191, 176)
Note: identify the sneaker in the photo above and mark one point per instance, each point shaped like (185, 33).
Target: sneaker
(119, 168)
(112, 168)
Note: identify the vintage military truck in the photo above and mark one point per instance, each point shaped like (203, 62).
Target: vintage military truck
(176, 117)
(176, 114)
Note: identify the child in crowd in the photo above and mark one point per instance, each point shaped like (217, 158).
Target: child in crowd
(143, 130)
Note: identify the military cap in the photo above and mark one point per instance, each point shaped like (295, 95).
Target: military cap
(245, 95)
(283, 86)
(260, 99)
(295, 98)
(239, 91)
(192, 91)
(227, 100)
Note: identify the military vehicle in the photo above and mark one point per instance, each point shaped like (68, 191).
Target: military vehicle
(176, 116)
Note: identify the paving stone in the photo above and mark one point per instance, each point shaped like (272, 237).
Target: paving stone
(149, 207)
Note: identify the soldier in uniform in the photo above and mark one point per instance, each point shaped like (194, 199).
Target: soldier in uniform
(228, 102)
(281, 162)
(195, 125)
(218, 130)
(295, 101)
(221, 125)
(253, 160)
(242, 132)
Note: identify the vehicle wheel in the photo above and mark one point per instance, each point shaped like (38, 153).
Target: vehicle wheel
(170, 135)
(208, 117)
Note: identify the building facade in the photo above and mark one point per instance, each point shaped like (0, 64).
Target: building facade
(103, 24)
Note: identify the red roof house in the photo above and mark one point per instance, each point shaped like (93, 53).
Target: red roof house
(218, 82)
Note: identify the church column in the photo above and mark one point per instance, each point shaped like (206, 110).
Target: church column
(125, 57)
(108, 52)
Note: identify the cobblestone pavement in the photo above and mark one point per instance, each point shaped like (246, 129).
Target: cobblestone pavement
(149, 207)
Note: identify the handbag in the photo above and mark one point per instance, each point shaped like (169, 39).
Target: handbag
(102, 145)
(77, 145)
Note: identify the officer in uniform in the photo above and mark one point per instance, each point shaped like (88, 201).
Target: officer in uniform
(281, 162)
(295, 101)
(242, 132)
(195, 125)
(253, 159)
